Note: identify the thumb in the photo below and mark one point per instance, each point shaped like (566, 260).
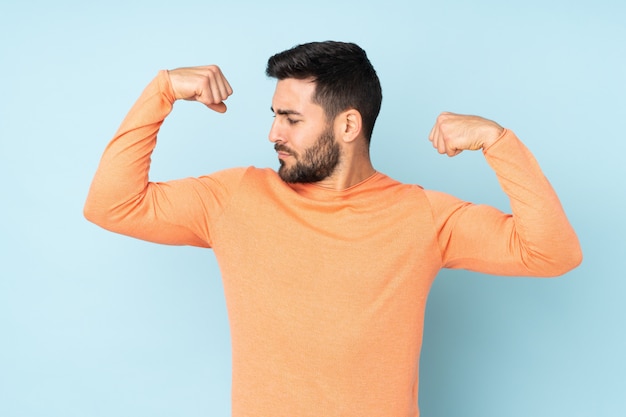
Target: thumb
(218, 107)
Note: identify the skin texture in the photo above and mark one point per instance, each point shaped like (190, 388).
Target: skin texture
(300, 124)
(455, 133)
(205, 84)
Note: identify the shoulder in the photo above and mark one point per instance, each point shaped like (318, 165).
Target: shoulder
(384, 183)
(416, 195)
(397, 195)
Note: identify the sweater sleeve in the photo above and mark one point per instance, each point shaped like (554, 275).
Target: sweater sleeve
(535, 240)
(123, 200)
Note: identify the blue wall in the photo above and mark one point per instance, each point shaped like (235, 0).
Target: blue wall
(95, 324)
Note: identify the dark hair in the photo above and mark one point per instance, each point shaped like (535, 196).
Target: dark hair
(343, 75)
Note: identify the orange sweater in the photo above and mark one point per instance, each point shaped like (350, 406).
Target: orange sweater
(326, 290)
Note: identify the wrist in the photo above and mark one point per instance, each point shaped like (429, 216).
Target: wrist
(492, 141)
(167, 87)
(492, 135)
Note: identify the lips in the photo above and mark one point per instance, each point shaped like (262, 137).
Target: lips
(282, 151)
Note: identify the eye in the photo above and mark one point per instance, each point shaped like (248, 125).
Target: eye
(292, 121)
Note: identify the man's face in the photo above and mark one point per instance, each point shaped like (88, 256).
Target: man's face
(302, 137)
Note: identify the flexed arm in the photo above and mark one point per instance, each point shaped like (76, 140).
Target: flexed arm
(121, 197)
(536, 240)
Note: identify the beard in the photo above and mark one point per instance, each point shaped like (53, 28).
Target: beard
(315, 164)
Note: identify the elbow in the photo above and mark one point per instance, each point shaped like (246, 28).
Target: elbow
(95, 209)
(568, 257)
(567, 265)
(577, 255)
(112, 211)
(90, 214)
(94, 214)
(573, 255)
(106, 206)
(99, 214)
(574, 259)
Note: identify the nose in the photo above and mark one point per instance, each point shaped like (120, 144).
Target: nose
(275, 132)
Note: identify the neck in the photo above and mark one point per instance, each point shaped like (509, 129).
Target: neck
(349, 172)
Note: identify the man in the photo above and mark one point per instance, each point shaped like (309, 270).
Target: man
(327, 264)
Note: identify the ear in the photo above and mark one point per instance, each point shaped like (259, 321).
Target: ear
(348, 125)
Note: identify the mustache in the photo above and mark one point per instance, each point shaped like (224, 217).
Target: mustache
(279, 147)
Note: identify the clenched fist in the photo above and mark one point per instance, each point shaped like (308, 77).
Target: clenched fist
(205, 84)
(455, 133)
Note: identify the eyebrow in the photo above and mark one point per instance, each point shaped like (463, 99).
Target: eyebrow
(285, 112)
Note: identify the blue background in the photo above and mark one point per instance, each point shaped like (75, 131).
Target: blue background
(96, 324)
